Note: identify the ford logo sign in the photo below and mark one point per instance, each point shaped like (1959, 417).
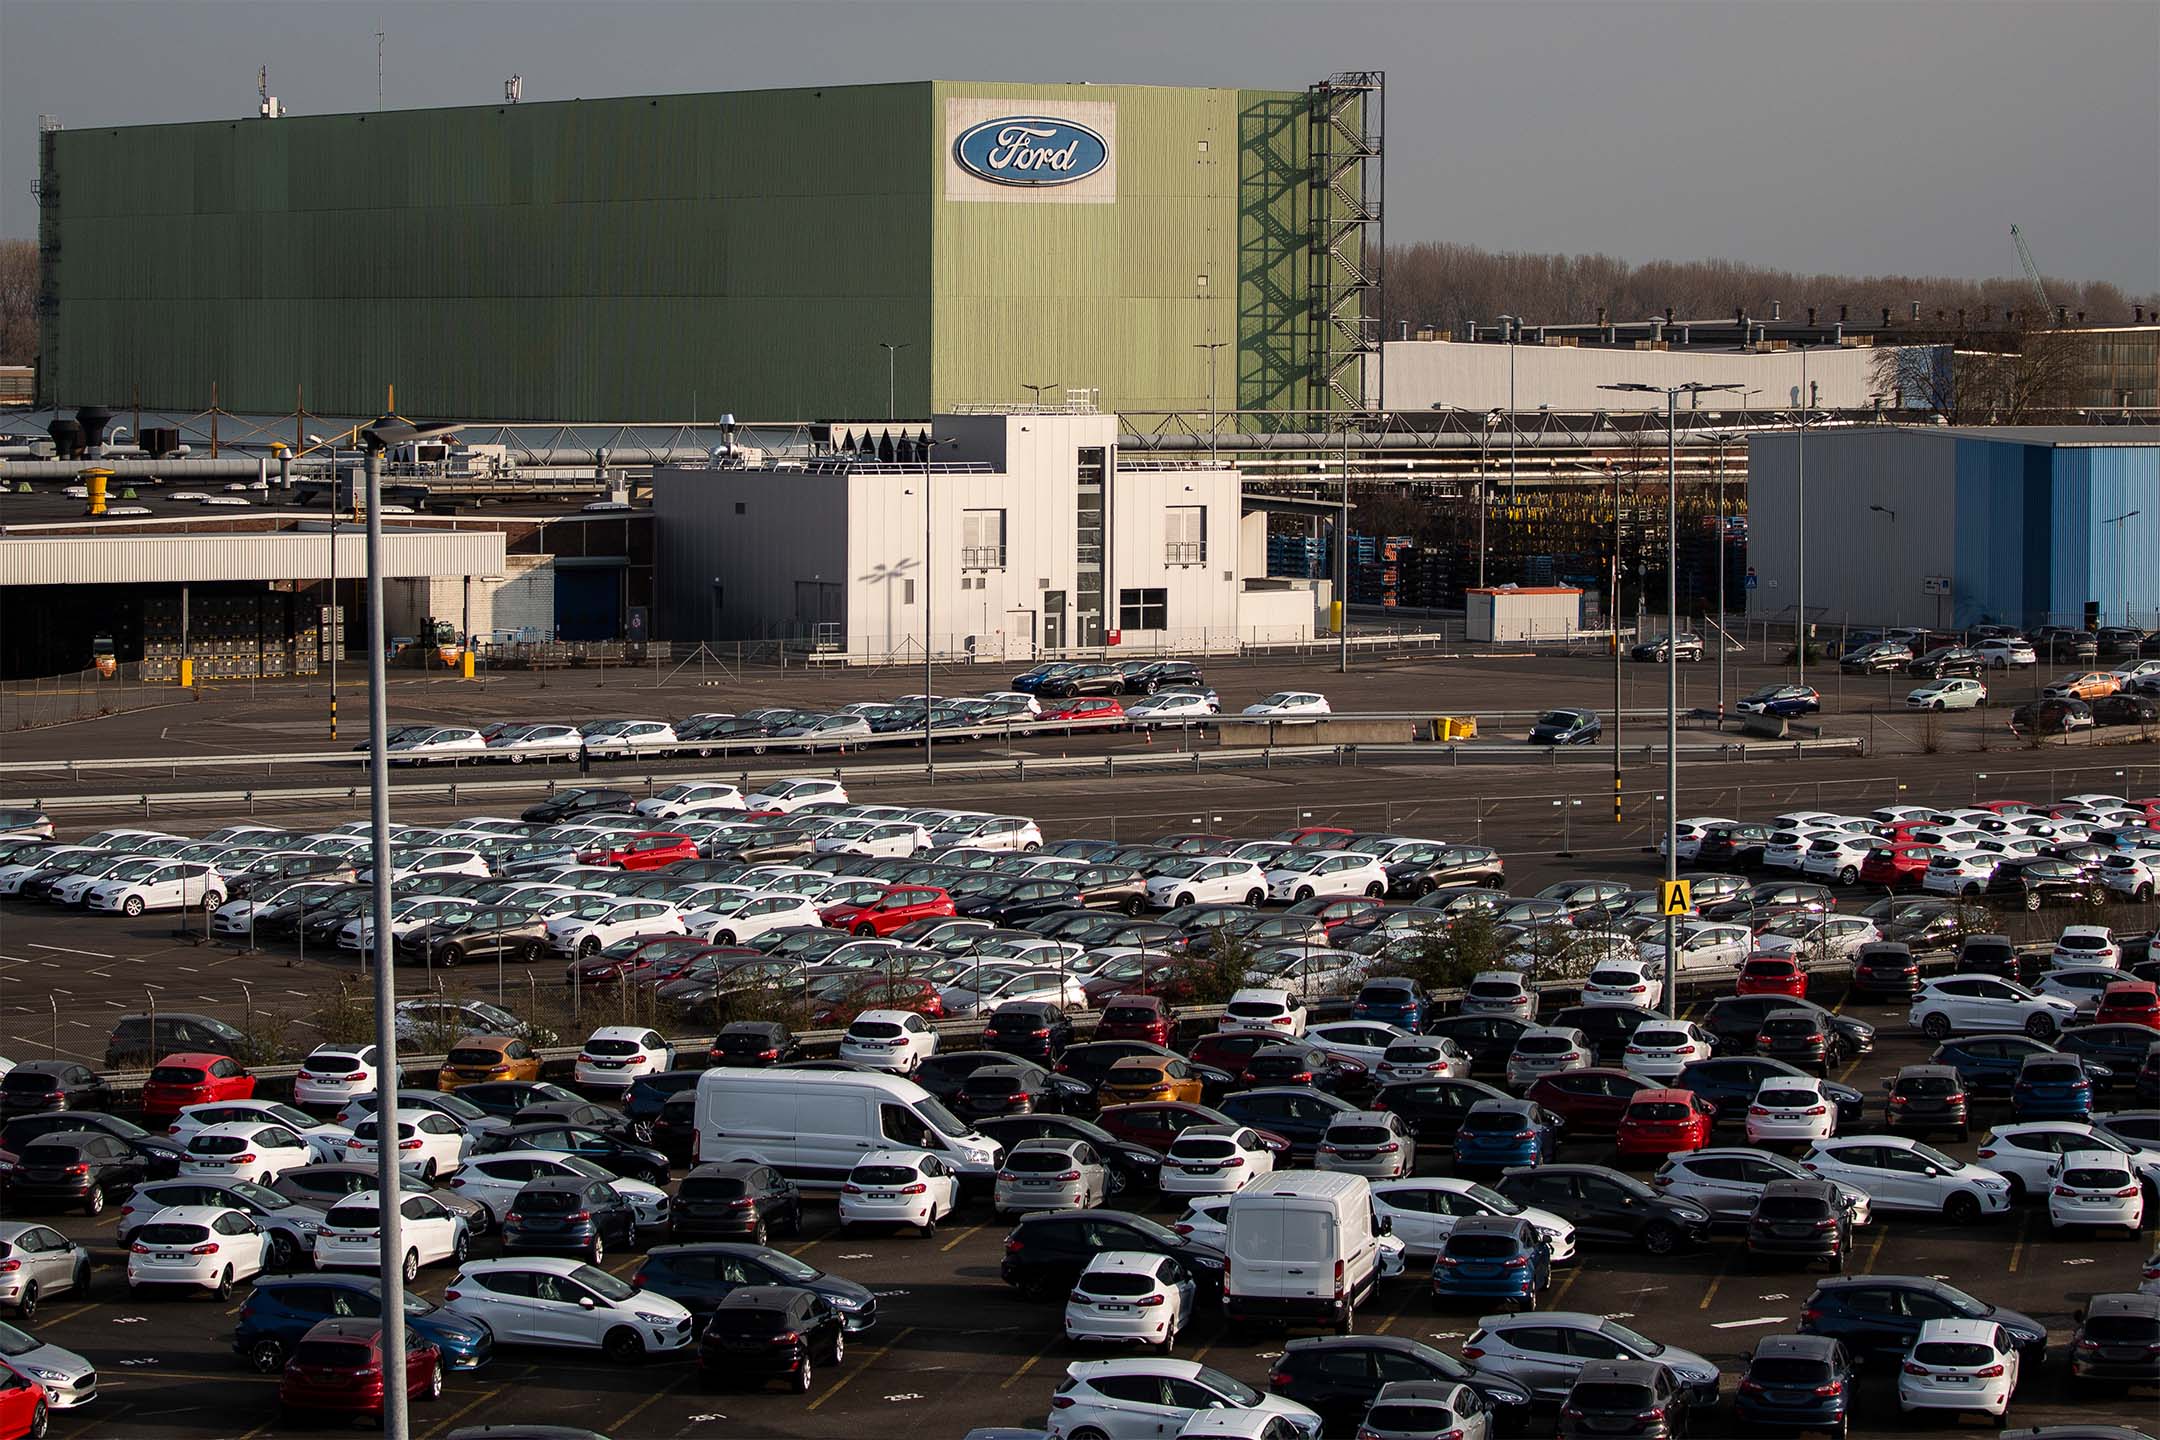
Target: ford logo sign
(1031, 150)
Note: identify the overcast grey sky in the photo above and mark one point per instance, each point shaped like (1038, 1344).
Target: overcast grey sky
(1816, 135)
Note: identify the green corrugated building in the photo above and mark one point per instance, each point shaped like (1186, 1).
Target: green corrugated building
(671, 257)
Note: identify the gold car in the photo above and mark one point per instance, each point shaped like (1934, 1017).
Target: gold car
(1150, 1077)
(478, 1058)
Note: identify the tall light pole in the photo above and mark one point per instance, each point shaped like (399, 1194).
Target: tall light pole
(1896, 611)
(930, 445)
(892, 356)
(1342, 629)
(1800, 517)
(1514, 327)
(1672, 393)
(1213, 425)
(2122, 543)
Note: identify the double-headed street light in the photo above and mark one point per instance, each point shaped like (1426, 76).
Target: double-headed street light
(1672, 393)
(2121, 545)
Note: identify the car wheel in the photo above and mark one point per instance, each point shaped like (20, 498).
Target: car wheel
(223, 1288)
(929, 1225)
(450, 957)
(94, 1202)
(427, 1170)
(1962, 1208)
(1848, 876)
(460, 1248)
(1936, 1026)
(132, 906)
(284, 1252)
(597, 1252)
(411, 1268)
(761, 1234)
(267, 1356)
(434, 1384)
(1185, 899)
(589, 946)
(2032, 899)
(622, 1346)
(1659, 1237)
(2040, 1027)
(1375, 890)
(40, 1422)
(26, 1308)
(1089, 1432)
(804, 1376)
(1347, 1324)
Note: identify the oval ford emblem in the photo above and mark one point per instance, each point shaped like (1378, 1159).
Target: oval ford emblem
(1031, 150)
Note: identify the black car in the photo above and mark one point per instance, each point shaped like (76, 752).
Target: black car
(1989, 1064)
(1876, 1317)
(1607, 1027)
(572, 1112)
(726, 1201)
(1148, 679)
(1735, 1021)
(1946, 660)
(1488, 1039)
(1798, 1037)
(1636, 1398)
(1800, 1220)
(699, 1277)
(1567, 727)
(1772, 899)
(503, 1099)
(324, 1185)
(1420, 869)
(2126, 709)
(646, 1096)
(1082, 680)
(1738, 845)
(2031, 881)
(762, 1331)
(1132, 1168)
(2118, 1340)
(1339, 1375)
(133, 1046)
(2116, 1048)
(568, 1215)
(1610, 1208)
(1730, 1082)
(617, 1154)
(569, 804)
(1884, 970)
(2064, 642)
(1926, 1098)
(1297, 1113)
(2050, 717)
(1031, 1029)
(41, 1085)
(1045, 1253)
(1794, 1380)
(1433, 1109)
(510, 933)
(1294, 1062)
(74, 1167)
(1007, 1089)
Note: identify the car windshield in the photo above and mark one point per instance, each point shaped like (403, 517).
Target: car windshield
(1237, 1392)
(1936, 1158)
(256, 1195)
(1642, 1346)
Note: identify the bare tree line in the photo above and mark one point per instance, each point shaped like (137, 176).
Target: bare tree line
(1447, 285)
(18, 302)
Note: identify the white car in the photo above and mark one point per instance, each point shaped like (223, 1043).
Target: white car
(245, 1150)
(1153, 1398)
(999, 834)
(1001, 987)
(519, 743)
(494, 1181)
(739, 919)
(1837, 856)
(1899, 1173)
(691, 799)
(1624, 982)
(2081, 986)
(1975, 1004)
(1290, 704)
(614, 1056)
(1959, 1365)
(2096, 1187)
(439, 743)
(1816, 939)
(1129, 1297)
(1960, 872)
(1704, 945)
(1790, 1109)
(1365, 1041)
(1500, 992)
(166, 885)
(1422, 1213)
(1661, 1049)
(1214, 1160)
(546, 1300)
(2132, 875)
(1206, 880)
(198, 1245)
(351, 1234)
(1727, 1180)
(324, 1139)
(95, 870)
(879, 839)
(1421, 1057)
(1325, 873)
(630, 737)
(1170, 707)
(1547, 1050)
(429, 1142)
(1949, 693)
(1270, 1011)
(899, 1187)
(2086, 945)
(600, 921)
(2030, 1151)
(788, 796)
(1688, 834)
(895, 1040)
(2002, 653)
(333, 1074)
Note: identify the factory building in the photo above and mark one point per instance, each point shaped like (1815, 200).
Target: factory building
(1023, 534)
(782, 254)
(1915, 525)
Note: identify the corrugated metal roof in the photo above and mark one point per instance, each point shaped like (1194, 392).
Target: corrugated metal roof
(202, 559)
(2081, 435)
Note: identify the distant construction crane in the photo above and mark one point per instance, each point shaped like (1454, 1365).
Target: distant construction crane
(2032, 271)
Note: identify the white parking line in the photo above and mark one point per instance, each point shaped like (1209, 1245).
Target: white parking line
(1740, 1324)
(71, 950)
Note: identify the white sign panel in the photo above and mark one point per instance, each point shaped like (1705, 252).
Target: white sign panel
(1009, 152)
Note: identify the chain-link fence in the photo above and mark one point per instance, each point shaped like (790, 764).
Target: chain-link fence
(56, 699)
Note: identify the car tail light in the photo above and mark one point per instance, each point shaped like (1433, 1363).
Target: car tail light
(2129, 1194)
(1150, 1302)
(138, 1248)
(1473, 1352)
(1818, 1110)
(1897, 1100)
(1992, 1372)
(1833, 1387)
(1757, 1110)
(851, 1188)
(209, 1249)
(917, 1189)
(1280, 1020)
(1656, 1412)
(412, 1144)
(85, 1169)
(1277, 1379)
(1987, 1152)
(2066, 1192)
(1912, 1368)
(1013, 1244)
(1061, 1402)
(1571, 1412)
(788, 1337)
(1751, 1386)
(172, 1129)
(1810, 1315)
(1518, 1263)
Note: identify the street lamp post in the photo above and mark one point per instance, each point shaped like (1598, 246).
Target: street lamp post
(892, 355)
(930, 444)
(1897, 616)
(1214, 425)
(1514, 327)
(1342, 628)
(2122, 544)
(1672, 393)
(1800, 649)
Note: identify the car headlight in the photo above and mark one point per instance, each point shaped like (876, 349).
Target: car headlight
(651, 1319)
(56, 1376)
(845, 1302)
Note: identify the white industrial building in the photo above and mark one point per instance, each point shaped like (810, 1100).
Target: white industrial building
(1460, 375)
(1039, 540)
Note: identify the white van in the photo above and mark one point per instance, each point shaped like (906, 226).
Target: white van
(813, 1126)
(1303, 1246)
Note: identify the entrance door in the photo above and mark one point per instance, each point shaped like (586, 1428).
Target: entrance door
(1053, 620)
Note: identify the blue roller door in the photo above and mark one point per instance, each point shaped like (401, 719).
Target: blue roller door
(588, 602)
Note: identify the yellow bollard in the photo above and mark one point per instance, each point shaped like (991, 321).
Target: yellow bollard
(187, 673)
(468, 665)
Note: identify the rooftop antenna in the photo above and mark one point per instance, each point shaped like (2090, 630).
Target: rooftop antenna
(270, 109)
(378, 70)
(514, 89)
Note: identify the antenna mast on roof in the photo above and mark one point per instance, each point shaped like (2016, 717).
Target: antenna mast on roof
(269, 109)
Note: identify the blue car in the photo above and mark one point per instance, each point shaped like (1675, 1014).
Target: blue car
(280, 1309)
(1504, 1134)
(1566, 727)
(1796, 1381)
(1783, 700)
(1393, 1002)
(2053, 1087)
(1493, 1257)
(1989, 1064)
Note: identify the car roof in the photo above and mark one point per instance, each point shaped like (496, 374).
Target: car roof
(1619, 1372)
(2124, 1303)
(765, 1297)
(1512, 1226)
(553, 1264)
(1130, 1260)
(1954, 1328)
(190, 1214)
(1579, 1318)
(345, 1327)
(1796, 1347)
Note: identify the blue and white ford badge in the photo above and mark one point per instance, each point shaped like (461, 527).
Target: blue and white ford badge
(1031, 150)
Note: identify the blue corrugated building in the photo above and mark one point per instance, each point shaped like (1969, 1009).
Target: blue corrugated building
(1949, 526)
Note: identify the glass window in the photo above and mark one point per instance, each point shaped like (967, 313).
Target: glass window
(1144, 609)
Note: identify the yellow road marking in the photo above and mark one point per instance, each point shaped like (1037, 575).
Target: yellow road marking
(1565, 1286)
(971, 1230)
(466, 1409)
(837, 1385)
(647, 1403)
(1028, 1364)
(2017, 1251)
(107, 1417)
(69, 1314)
(1881, 1234)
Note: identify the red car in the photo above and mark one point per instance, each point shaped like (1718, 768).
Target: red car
(652, 850)
(1153, 1124)
(1661, 1122)
(2008, 807)
(1900, 866)
(1230, 1049)
(1135, 1017)
(2129, 1002)
(1772, 975)
(1331, 913)
(1085, 707)
(1590, 1101)
(643, 959)
(22, 1405)
(337, 1368)
(178, 1081)
(1315, 837)
(841, 1009)
(899, 905)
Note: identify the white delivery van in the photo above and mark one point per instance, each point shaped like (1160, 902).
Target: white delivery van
(813, 1126)
(1303, 1246)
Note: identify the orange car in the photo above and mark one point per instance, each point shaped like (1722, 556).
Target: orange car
(2089, 686)
(477, 1058)
(1139, 1078)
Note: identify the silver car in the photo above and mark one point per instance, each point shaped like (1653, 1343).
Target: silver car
(1372, 1143)
(37, 1262)
(1050, 1174)
(1545, 1349)
(291, 1224)
(69, 1380)
(1547, 1050)
(1726, 1180)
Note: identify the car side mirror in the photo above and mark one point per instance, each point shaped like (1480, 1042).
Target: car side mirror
(1386, 1226)
(1932, 1171)
(585, 1302)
